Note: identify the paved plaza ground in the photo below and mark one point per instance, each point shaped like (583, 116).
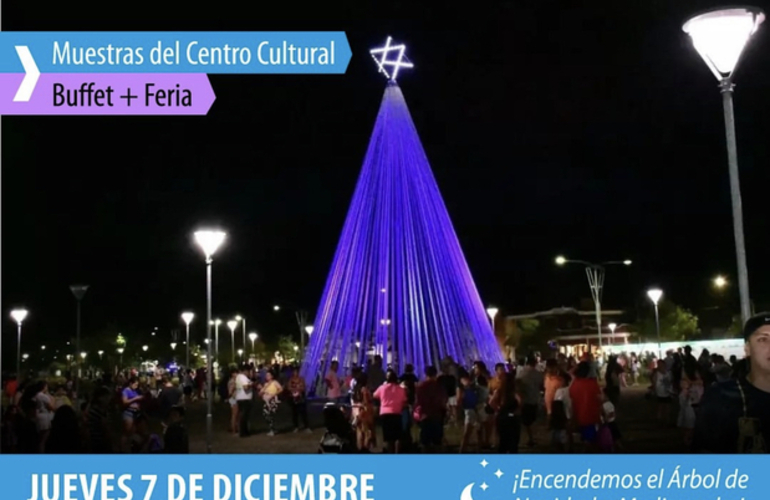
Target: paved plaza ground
(636, 419)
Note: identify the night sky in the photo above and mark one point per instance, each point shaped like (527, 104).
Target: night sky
(552, 128)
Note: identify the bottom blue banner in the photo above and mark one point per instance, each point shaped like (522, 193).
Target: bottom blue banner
(384, 477)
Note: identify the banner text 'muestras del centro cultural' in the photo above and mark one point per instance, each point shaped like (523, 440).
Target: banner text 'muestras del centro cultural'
(384, 477)
(148, 73)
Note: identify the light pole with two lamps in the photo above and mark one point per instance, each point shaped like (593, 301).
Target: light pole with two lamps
(301, 317)
(595, 274)
(209, 241)
(720, 37)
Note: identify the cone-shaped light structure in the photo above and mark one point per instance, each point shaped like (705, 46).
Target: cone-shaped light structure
(399, 286)
(720, 35)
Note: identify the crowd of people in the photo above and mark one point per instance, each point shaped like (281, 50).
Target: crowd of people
(40, 420)
(720, 405)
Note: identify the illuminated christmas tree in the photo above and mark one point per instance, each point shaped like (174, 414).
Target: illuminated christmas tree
(399, 286)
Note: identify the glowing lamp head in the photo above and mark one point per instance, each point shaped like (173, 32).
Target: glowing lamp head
(240, 352)
(561, 260)
(187, 317)
(173, 345)
(83, 355)
(232, 324)
(100, 353)
(720, 282)
(390, 67)
(209, 241)
(239, 318)
(492, 312)
(721, 35)
(19, 315)
(655, 294)
(144, 348)
(309, 329)
(612, 327)
(627, 262)
(253, 336)
(120, 350)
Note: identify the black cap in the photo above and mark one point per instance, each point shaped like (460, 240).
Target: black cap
(755, 323)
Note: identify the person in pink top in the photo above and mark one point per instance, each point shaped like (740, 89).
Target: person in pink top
(392, 399)
(333, 391)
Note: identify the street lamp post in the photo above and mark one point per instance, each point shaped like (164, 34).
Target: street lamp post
(216, 324)
(243, 324)
(232, 325)
(252, 337)
(492, 312)
(655, 294)
(187, 317)
(209, 241)
(301, 317)
(18, 315)
(595, 274)
(79, 291)
(612, 331)
(720, 37)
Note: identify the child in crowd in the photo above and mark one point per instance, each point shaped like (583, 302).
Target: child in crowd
(613, 440)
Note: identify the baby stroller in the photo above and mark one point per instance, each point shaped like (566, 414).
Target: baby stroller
(339, 436)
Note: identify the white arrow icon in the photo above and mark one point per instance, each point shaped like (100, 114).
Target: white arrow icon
(32, 74)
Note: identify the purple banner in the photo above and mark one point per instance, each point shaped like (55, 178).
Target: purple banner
(107, 94)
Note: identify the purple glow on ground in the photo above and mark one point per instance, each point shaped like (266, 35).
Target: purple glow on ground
(399, 285)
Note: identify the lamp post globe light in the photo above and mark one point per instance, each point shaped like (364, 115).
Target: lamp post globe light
(309, 330)
(252, 337)
(612, 327)
(18, 315)
(209, 241)
(492, 312)
(654, 295)
(720, 282)
(595, 274)
(720, 36)
(232, 325)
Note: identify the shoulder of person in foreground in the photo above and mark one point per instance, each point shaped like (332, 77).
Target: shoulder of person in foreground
(716, 424)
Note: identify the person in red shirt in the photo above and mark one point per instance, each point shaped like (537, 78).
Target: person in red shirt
(11, 387)
(586, 396)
